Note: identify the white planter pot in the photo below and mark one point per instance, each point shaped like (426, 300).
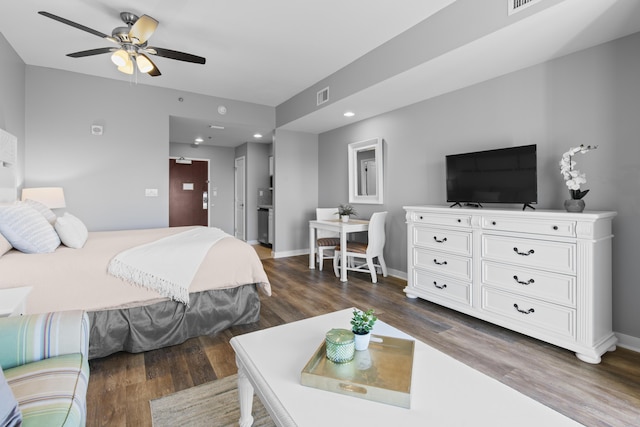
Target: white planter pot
(362, 341)
(345, 218)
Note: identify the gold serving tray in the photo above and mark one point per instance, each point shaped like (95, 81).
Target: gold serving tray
(382, 373)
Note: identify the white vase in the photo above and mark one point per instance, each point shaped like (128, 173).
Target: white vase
(345, 218)
(362, 341)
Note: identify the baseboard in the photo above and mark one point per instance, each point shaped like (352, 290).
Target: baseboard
(285, 254)
(252, 242)
(628, 342)
(397, 273)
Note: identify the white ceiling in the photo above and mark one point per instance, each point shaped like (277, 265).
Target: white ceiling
(265, 52)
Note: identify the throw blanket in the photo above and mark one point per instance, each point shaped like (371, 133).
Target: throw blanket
(167, 265)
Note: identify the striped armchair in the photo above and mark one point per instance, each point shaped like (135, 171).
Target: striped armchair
(44, 359)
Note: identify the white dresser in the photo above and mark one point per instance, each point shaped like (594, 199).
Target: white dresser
(546, 274)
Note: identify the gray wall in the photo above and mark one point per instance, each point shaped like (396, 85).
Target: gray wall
(295, 190)
(591, 97)
(104, 177)
(12, 100)
(220, 177)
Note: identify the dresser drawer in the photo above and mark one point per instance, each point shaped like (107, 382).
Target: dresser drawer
(442, 288)
(443, 263)
(547, 227)
(450, 220)
(458, 242)
(551, 287)
(543, 317)
(546, 255)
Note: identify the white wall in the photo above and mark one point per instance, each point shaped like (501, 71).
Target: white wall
(591, 97)
(12, 100)
(104, 177)
(296, 190)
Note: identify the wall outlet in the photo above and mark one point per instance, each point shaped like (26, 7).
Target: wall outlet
(151, 192)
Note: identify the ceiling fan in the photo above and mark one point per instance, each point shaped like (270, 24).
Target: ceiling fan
(132, 41)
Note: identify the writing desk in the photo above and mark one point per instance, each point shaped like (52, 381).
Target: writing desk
(336, 225)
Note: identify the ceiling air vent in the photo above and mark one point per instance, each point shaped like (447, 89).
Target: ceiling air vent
(323, 96)
(518, 5)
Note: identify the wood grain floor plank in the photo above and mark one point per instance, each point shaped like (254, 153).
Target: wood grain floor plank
(607, 394)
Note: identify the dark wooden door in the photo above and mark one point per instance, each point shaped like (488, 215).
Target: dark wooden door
(188, 192)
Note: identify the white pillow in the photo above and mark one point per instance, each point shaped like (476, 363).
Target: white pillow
(43, 209)
(5, 246)
(71, 230)
(27, 230)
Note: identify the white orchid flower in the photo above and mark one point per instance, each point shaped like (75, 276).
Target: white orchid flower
(573, 177)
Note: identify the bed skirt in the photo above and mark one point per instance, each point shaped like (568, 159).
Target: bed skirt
(166, 323)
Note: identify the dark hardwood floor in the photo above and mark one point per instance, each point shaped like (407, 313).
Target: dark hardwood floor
(607, 394)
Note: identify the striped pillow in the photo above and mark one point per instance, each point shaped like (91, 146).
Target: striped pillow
(48, 214)
(27, 230)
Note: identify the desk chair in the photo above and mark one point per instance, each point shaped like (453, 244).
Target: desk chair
(372, 249)
(326, 240)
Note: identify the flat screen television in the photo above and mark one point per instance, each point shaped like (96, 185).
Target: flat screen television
(506, 175)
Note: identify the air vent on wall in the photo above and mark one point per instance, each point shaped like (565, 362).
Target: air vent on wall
(518, 5)
(323, 96)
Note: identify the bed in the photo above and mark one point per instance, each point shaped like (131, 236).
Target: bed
(225, 291)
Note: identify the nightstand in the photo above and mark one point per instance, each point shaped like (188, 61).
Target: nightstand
(13, 301)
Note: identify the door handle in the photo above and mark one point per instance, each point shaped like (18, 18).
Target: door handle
(205, 200)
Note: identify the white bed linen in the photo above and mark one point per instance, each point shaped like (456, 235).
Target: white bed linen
(77, 278)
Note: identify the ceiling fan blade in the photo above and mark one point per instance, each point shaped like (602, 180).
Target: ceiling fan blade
(74, 24)
(91, 52)
(174, 54)
(143, 29)
(154, 72)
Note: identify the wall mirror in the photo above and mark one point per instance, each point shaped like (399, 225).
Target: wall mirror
(365, 171)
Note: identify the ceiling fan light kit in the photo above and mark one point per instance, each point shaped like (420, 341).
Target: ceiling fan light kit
(144, 64)
(132, 40)
(126, 68)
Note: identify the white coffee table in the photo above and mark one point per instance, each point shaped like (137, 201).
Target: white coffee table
(444, 392)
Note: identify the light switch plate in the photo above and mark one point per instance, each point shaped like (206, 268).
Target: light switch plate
(151, 192)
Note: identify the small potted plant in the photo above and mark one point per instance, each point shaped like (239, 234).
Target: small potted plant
(361, 325)
(345, 211)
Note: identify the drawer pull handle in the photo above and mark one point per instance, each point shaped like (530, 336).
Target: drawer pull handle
(531, 310)
(555, 227)
(459, 220)
(435, 261)
(420, 217)
(494, 223)
(439, 241)
(438, 286)
(531, 251)
(529, 282)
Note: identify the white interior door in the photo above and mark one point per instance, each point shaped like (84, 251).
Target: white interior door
(240, 191)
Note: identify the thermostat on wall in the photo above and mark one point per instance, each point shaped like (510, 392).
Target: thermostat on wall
(96, 130)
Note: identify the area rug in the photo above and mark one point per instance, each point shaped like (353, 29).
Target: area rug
(211, 404)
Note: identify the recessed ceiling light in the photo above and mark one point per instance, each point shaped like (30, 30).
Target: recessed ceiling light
(216, 127)
(349, 114)
(199, 140)
(257, 135)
